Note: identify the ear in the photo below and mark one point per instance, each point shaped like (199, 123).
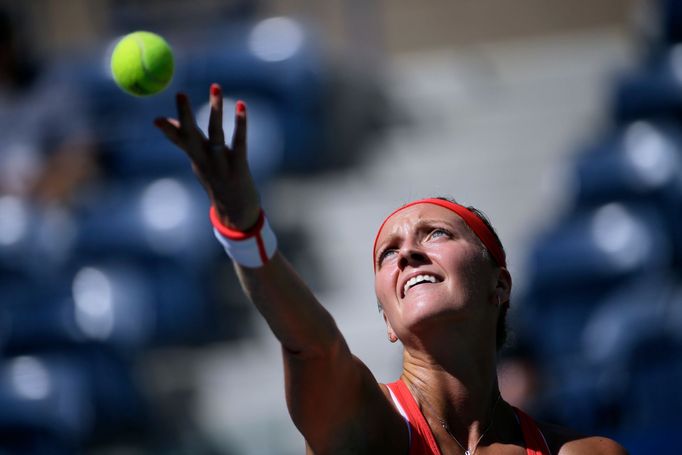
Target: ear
(392, 337)
(503, 286)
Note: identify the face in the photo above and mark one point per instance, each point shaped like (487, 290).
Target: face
(430, 266)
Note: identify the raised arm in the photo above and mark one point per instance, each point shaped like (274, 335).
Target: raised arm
(329, 392)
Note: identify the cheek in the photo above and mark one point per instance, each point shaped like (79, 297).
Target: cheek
(474, 275)
(383, 288)
(466, 266)
(379, 286)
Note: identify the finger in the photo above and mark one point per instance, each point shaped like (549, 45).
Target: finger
(239, 135)
(170, 128)
(188, 125)
(215, 121)
(193, 138)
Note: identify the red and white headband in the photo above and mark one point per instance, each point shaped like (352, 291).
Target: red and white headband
(475, 223)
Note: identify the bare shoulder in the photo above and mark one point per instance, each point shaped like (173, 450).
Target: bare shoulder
(597, 445)
(564, 441)
(354, 415)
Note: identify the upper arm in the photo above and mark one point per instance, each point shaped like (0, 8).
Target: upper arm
(332, 397)
(336, 403)
(597, 445)
(564, 441)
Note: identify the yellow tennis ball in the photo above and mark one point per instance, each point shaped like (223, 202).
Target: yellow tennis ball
(142, 63)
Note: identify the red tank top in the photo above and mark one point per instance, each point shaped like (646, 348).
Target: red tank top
(422, 441)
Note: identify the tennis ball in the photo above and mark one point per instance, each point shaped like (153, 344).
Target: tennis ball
(142, 63)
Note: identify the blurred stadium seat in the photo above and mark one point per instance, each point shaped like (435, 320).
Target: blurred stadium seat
(642, 308)
(601, 245)
(668, 15)
(164, 218)
(605, 277)
(652, 91)
(640, 163)
(75, 396)
(641, 160)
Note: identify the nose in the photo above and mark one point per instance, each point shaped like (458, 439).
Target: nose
(411, 255)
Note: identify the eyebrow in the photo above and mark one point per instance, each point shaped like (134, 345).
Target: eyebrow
(421, 224)
(432, 221)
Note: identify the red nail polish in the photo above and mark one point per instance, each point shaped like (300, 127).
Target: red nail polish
(158, 121)
(181, 97)
(241, 107)
(215, 89)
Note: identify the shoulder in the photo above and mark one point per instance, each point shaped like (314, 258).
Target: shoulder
(373, 426)
(597, 445)
(564, 441)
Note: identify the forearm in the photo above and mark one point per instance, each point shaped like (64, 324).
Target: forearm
(316, 358)
(298, 320)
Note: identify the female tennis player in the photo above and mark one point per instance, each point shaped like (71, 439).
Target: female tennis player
(442, 283)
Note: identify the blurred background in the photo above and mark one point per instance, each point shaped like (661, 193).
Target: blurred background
(122, 327)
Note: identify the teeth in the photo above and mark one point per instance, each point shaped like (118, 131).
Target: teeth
(418, 279)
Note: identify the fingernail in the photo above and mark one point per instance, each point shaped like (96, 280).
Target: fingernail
(241, 107)
(158, 121)
(181, 97)
(215, 89)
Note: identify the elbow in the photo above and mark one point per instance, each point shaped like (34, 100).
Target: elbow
(321, 346)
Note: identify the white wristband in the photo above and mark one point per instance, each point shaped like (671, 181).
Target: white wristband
(253, 248)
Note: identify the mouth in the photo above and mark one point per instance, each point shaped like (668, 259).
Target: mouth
(418, 280)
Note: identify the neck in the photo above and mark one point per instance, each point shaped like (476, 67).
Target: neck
(454, 382)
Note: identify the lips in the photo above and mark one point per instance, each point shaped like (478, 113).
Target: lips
(417, 279)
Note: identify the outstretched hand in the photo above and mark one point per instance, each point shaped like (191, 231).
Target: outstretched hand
(222, 169)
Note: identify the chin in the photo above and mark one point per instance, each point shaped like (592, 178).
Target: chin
(427, 312)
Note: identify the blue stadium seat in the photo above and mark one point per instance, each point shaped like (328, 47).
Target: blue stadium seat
(124, 306)
(34, 442)
(652, 91)
(78, 395)
(44, 394)
(562, 314)
(640, 163)
(604, 281)
(655, 373)
(165, 218)
(657, 436)
(638, 310)
(669, 15)
(618, 366)
(583, 259)
(274, 65)
(576, 398)
(640, 160)
(34, 240)
(600, 245)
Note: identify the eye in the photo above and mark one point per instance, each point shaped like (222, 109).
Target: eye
(385, 254)
(439, 232)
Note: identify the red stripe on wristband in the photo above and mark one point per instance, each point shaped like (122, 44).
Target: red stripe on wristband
(234, 234)
(252, 248)
(261, 249)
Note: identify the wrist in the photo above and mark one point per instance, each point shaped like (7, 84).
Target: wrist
(253, 247)
(244, 222)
